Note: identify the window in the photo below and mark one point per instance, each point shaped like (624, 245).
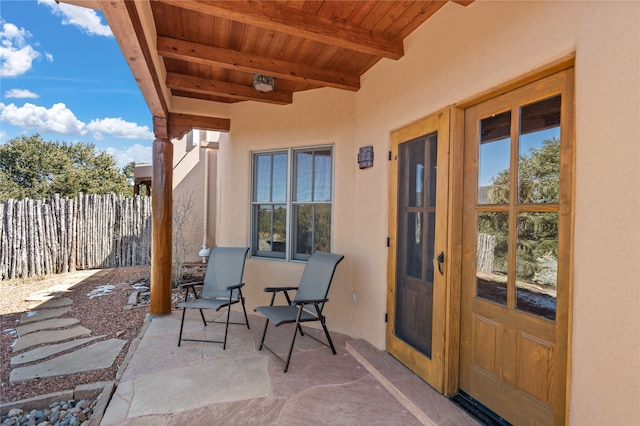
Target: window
(291, 203)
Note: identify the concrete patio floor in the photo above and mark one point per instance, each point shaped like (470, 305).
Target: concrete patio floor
(199, 383)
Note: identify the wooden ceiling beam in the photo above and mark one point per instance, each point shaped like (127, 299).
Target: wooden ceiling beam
(224, 89)
(275, 17)
(239, 61)
(180, 124)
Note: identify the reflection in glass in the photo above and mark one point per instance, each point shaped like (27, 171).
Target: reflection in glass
(313, 228)
(415, 158)
(494, 159)
(492, 256)
(322, 175)
(271, 226)
(539, 152)
(431, 235)
(271, 178)
(414, 245)
(304, 175)
(537, 263)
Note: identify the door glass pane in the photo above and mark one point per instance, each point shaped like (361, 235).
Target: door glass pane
(322, 176)
(432, 167)
(539, 152)
(491, 256)
(415, 184)
(431, 234)
(494, 159)
(414, 245)
(537, 263)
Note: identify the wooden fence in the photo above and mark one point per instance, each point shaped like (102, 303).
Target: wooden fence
(39, 237)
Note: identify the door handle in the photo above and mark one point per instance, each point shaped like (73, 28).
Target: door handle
(440, 260)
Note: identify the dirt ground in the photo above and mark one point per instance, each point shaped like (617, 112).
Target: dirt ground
(104, 315)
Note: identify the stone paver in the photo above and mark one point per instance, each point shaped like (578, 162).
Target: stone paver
(46, 351)
(49, 336)
(94, 357)
(44, 325)
(43, 314)
(57, 302)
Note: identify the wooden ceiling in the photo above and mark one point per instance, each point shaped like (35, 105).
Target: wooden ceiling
(211, 49)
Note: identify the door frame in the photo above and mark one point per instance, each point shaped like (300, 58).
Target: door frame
(455, 221)
(453, 252)
(431, 369)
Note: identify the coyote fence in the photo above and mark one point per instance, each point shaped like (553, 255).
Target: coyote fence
(39, 237)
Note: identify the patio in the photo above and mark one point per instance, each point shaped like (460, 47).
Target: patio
(199, 383)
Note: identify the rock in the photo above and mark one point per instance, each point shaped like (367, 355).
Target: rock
(15, 412)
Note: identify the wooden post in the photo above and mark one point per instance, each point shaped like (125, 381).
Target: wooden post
(162, 221)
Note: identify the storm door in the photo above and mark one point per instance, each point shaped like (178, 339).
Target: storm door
(516, 251)
(417, 256)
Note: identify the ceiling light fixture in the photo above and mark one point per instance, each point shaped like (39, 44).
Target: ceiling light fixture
(263, 83)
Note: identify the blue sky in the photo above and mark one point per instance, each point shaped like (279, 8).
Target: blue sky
(62, 75)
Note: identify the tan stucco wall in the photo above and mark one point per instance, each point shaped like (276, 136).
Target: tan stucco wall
(457, 54)
(189, 196)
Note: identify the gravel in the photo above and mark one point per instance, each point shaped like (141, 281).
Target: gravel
(105, 314)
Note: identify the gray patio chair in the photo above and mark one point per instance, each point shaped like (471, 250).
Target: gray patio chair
(309, 301)
(222, 287)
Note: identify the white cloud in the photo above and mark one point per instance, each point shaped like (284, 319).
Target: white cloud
(49, 57)
(20, 93)
(135, 152)
(84, 18)
(57, 119)
(16, 56)
(119, 128)
(60, 119)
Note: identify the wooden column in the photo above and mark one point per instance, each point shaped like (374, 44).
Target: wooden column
(162, 224)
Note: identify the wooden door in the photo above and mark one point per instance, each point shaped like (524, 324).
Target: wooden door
(516, 251)
(417, 253)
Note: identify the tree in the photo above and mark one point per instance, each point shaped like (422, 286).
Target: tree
(31, 167)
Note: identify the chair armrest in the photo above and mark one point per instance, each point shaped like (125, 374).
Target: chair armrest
(277, 289)
(233, 287)
(191, 284)
(309, 302)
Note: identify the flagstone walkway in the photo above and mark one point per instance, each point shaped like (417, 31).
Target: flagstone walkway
(45, 331)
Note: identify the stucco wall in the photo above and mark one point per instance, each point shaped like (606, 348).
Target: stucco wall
(457, 54)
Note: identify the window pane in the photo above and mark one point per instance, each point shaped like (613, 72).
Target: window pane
(415, 154)
(304, 176)
(262, 184)
(494, 159)
(271, 235)
(279, 185)
(323, 228)
(322, 176)
(537, 263)
(304, 229)
(539, 152)
(491, 257)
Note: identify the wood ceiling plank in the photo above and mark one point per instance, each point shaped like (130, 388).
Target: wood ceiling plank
(231, 59)
(273, 16)
(222, 88)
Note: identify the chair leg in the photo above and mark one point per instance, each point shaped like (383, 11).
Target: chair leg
(202, 316)
(326, 332)
(246, 318)
(264, 333)
(184, 310)
(226, 329)
(293, 340)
